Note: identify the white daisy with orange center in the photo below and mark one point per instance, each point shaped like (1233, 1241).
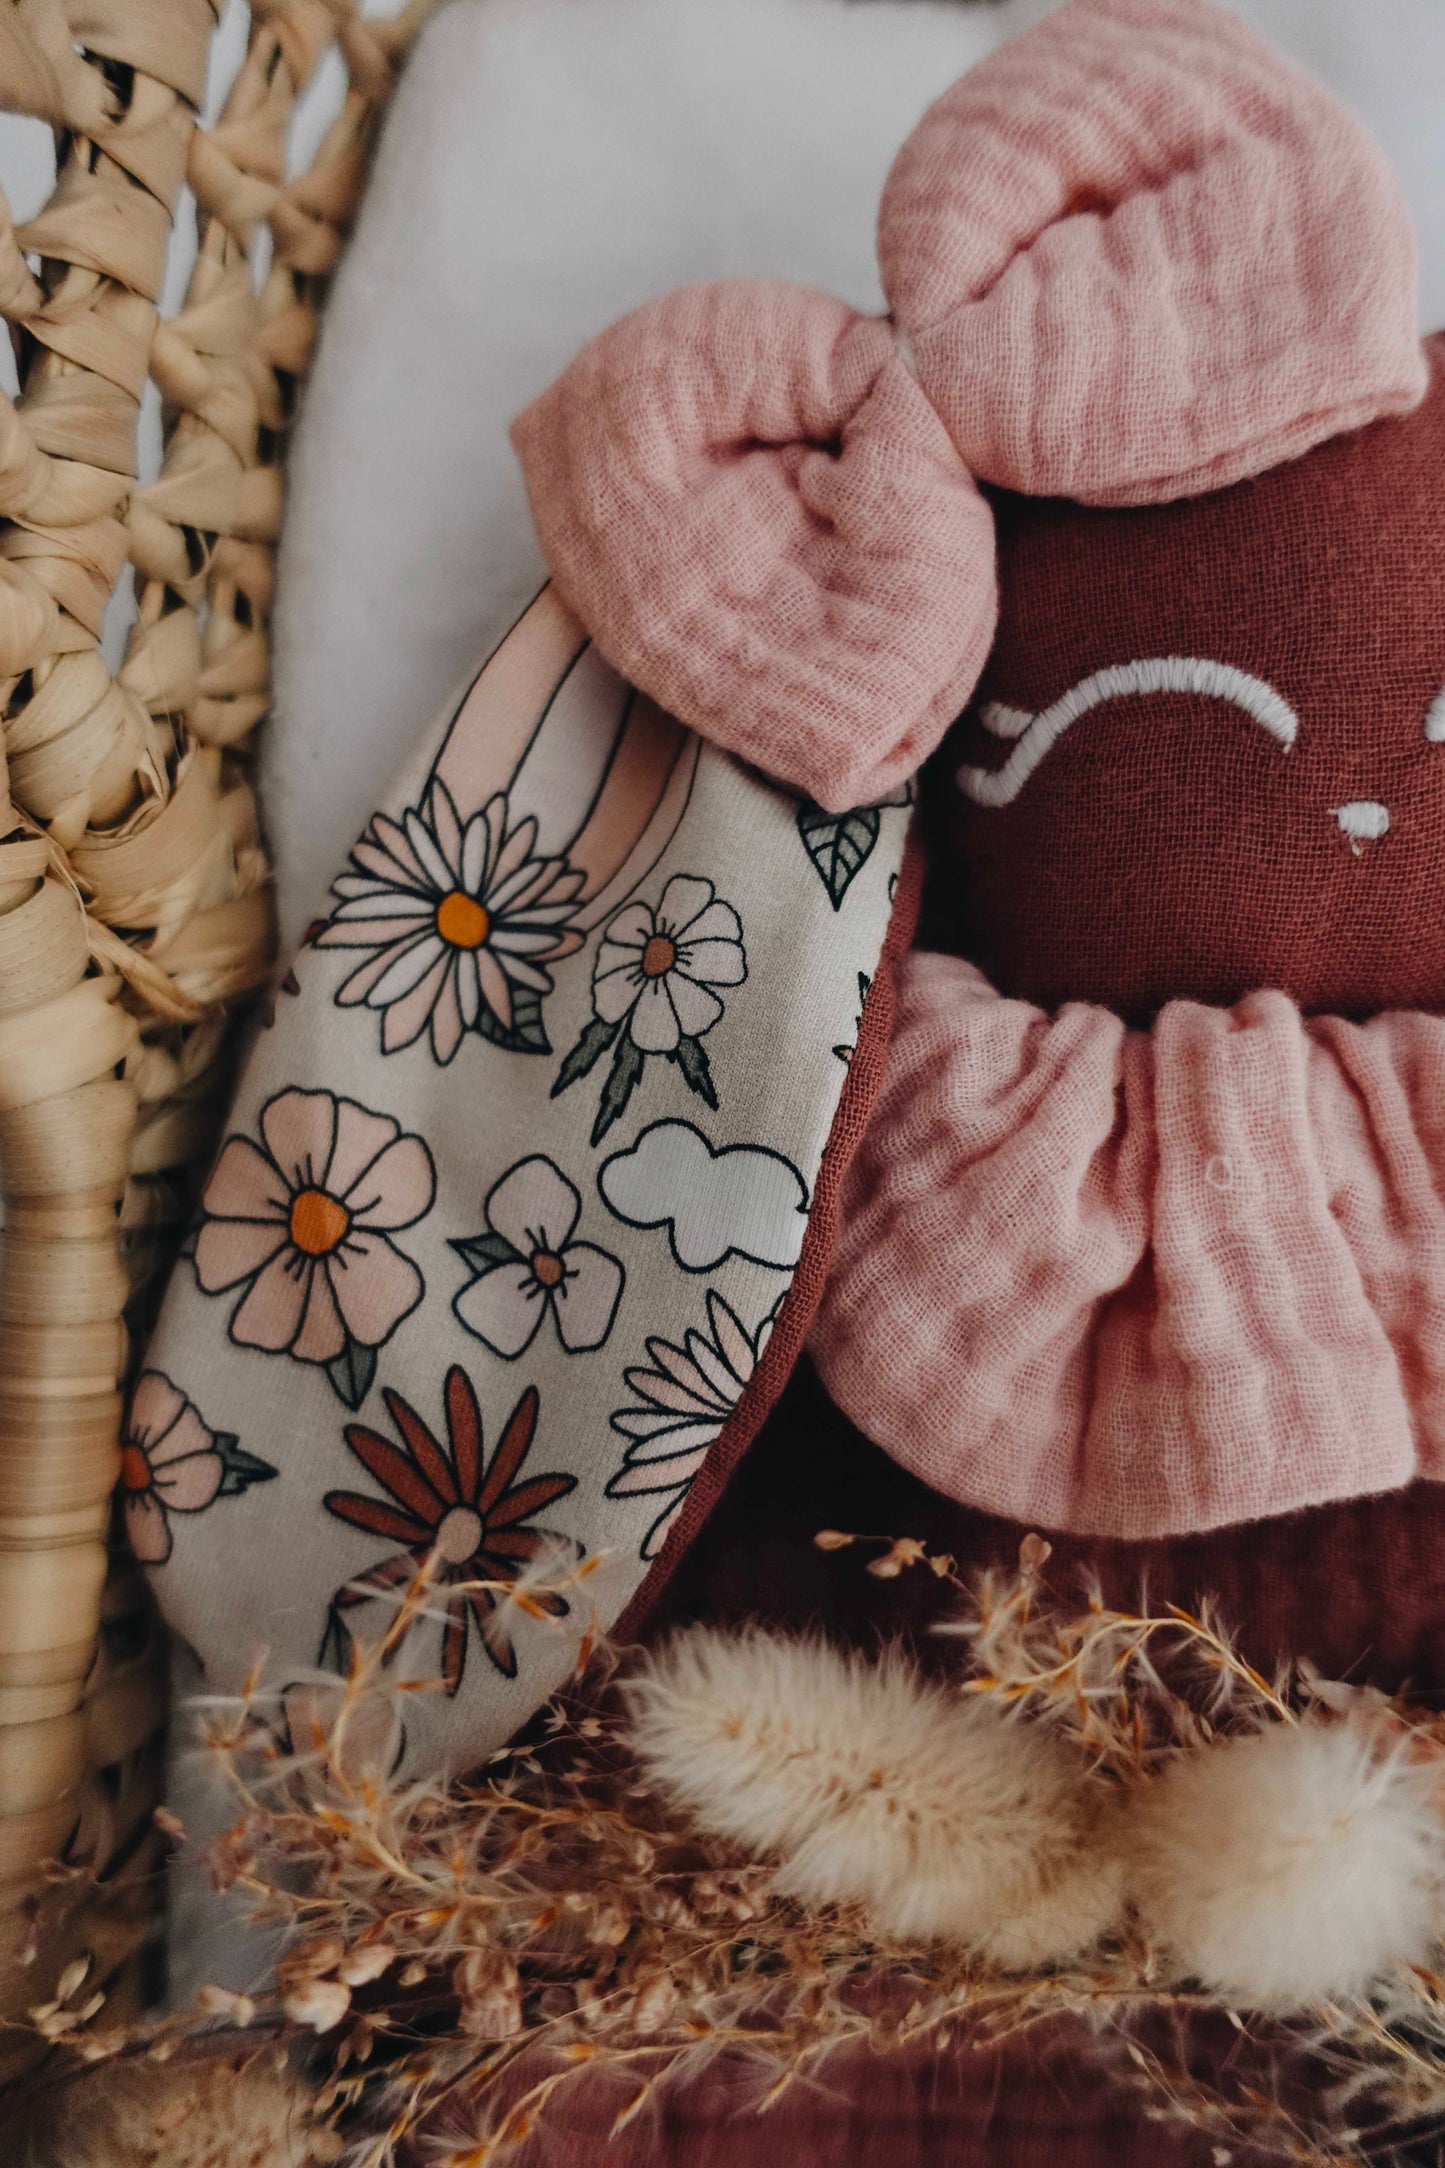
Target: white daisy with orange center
(460, 920)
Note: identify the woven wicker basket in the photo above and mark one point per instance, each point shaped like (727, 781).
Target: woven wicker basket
(134, 907)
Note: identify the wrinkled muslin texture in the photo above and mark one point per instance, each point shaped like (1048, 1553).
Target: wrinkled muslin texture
(1149, 1281)
(1074, 239)
(1132, 257)
(475, 1277)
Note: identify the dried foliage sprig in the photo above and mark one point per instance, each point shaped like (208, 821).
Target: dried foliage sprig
(460, 1957)
(1129, 1685)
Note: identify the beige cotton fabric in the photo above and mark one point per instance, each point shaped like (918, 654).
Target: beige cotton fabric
(510, 1195)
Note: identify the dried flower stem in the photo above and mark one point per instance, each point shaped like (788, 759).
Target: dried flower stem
(459, 1957)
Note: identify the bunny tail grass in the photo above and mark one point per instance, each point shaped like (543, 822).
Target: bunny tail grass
(940, 1816)
(1303, 1863)
(252, 2111)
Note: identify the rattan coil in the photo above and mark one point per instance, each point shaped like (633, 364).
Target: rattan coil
(134, 909)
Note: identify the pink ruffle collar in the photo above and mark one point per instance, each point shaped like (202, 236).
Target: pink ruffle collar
(1143, 1283)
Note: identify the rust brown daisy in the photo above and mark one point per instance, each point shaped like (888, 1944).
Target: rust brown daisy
(452, 1506)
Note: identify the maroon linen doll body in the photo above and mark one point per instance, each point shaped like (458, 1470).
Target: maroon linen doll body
(1169, 845)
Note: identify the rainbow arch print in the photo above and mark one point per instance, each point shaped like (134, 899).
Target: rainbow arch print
(603, 771)
(556, 789)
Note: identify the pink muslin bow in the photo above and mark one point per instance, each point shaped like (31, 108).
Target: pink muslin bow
(1132, 257)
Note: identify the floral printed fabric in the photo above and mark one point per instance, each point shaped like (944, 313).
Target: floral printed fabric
(464, 1519)
(687, 1394)
(654, 992)
(657, 969)
(510, 1196)
(173, 1462)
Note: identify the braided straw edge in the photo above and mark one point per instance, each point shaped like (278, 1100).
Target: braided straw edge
(134, 889)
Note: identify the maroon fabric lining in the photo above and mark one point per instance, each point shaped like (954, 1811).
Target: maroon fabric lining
(1358, 1587)
(1047, 2102)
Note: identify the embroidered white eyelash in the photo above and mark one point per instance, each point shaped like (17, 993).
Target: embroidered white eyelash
(1037, 735)
(1435, 719)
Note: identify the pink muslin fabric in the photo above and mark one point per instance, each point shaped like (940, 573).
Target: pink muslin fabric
(1149, 1282)
(1133, 256)
(745, 495)
(1140, 256)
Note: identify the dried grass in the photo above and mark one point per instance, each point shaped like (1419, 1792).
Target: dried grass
(462, 1957)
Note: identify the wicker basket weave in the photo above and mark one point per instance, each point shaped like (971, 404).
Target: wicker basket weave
(134, 906)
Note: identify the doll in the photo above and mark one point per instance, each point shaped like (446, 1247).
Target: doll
(1132, 1247)
(1109, 534)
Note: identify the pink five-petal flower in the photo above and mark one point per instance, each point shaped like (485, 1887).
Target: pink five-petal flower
(169, 1464)
(304, 1219)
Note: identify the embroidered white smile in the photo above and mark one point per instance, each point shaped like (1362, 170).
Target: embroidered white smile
(1362, 820)
(1037, 735)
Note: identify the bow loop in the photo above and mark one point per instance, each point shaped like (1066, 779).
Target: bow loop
(1140, 256)
(750, 503)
